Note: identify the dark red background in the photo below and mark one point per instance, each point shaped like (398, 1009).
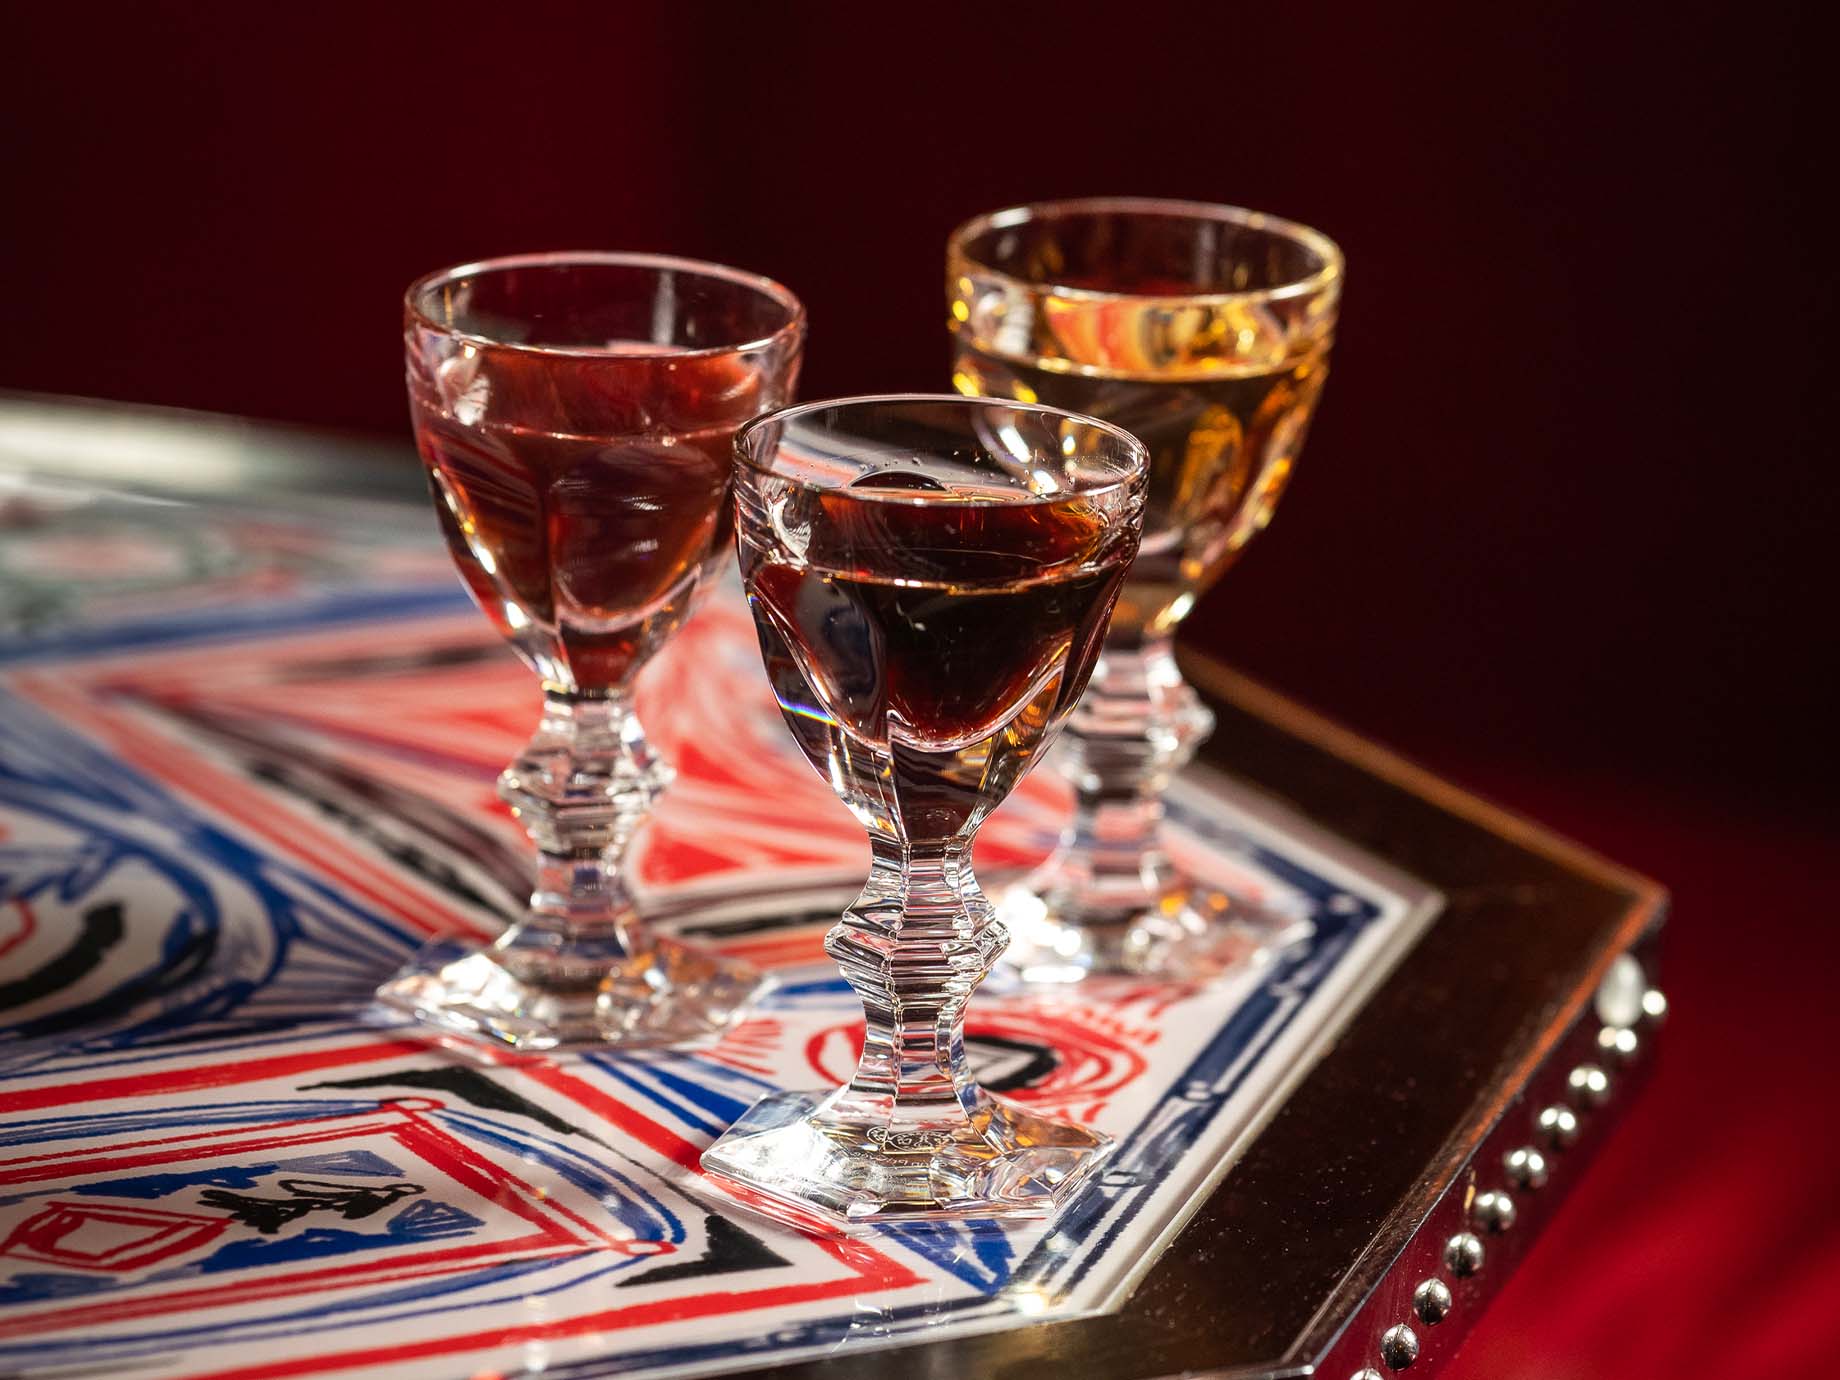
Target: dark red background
(1564, 528)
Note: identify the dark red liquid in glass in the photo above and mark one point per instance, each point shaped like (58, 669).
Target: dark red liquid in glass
(950, 635)
(587, 512)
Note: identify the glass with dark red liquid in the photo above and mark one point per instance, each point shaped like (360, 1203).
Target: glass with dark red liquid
(576, 414)
(930, 578)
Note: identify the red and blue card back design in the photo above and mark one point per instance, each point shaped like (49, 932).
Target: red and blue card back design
(246, 766)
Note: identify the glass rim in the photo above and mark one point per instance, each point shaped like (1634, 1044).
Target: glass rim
(1134, 448)
(767, 287)
(1312, 239)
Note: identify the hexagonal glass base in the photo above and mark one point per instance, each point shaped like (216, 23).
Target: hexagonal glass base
(1192, 935)
(804, 1157)
(669, 995)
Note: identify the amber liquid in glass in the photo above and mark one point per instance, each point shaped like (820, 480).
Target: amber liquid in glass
(1222, 439)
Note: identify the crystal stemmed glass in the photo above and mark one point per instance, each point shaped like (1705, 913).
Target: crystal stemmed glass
(1205, 331)
(576, 416)
(930, 578)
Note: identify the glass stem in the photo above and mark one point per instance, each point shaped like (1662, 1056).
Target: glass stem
(1138, 724)
(581, 789)
(914, 945)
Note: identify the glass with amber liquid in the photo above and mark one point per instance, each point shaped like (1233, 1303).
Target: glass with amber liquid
(1205, 331)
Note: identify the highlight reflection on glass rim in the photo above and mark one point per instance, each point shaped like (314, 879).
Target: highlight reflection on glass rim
(1043, 486)
(415, 304)
(1329, 253)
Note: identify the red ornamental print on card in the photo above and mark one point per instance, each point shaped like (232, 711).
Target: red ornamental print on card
(439, 723)
(342, 1204)
(333, 1162)
(91, 1236)
(1057, 1057)
(220, 1156)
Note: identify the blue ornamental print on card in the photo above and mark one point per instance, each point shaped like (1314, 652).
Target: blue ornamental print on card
(225, 819)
